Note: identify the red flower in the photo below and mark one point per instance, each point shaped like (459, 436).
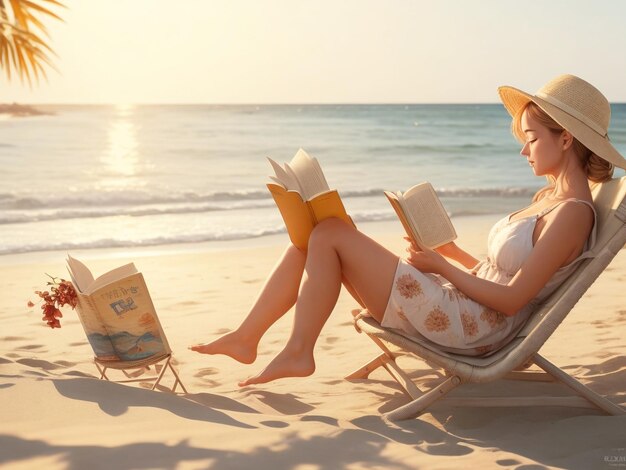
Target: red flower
(61, 293)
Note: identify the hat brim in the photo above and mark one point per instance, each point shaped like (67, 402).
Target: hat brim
(514, 99)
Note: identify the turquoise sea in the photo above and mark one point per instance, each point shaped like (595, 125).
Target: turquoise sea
(125, 176)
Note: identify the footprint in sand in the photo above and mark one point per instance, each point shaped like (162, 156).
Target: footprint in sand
(66, 363)
(333, 382)
(274, 424)
(31, 346)
(508, 462)
(329, 341)
(611, 338)
(206, 371)
(320, 419)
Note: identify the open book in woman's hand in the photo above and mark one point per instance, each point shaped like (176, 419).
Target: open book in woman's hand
(303, 197)
(423, 216)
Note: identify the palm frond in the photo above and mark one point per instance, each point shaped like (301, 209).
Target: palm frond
(21, 49)
(35, 6)
(4, 56)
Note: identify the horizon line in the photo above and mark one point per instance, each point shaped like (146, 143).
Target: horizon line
(373, 103)
(325, 103)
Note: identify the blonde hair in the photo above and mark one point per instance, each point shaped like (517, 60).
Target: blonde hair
(597, 169)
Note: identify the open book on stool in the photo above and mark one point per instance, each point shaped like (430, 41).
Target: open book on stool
(121, 323)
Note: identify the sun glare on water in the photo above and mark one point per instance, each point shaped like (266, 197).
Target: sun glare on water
(121, 156)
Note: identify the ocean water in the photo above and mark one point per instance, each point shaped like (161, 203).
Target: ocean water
(124, 176)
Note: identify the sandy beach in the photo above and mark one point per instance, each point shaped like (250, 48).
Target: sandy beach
(55, 414)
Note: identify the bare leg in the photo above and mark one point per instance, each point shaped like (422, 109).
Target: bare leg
(352, 291)
(335, 250)
(277, 296)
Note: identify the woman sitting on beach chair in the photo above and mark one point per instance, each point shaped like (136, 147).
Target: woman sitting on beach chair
(473, 311)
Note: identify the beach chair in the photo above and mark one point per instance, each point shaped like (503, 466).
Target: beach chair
(522, 351)
(135, 371)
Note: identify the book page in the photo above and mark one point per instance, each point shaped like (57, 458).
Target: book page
(130, 319)
(80, 274)
(83, 279)
(283, 178)
(318, 169)
(111, 276)
(428, 216)
(309, 175)
(395, 201)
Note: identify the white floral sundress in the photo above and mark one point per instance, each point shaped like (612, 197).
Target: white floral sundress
(425, 305)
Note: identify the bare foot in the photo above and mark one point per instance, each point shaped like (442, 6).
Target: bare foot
(286, 364)
(231, 344)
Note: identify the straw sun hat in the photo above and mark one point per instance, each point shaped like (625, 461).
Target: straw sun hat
(577, 106)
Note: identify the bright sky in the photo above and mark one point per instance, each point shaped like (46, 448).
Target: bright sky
(326, 51)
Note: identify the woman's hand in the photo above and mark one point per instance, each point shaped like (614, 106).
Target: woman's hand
(427, 261)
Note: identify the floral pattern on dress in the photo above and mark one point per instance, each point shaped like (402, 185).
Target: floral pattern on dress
(470, 325)
(437, 320)
(484, 349)
(401, 314)
(408, 287)
(492, 317)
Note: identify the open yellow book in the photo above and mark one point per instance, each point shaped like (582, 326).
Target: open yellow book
(117, 314)
(303, 197)
(423, 216)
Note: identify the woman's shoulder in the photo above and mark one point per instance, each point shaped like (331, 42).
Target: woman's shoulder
(574, 206)
(572, 217)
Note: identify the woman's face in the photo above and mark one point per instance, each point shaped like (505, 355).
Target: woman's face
(543, 148)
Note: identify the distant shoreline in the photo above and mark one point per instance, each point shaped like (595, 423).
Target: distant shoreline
(293, 105)
(20, 110)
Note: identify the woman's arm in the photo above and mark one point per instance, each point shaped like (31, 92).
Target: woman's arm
(560, 239)
(453, 251)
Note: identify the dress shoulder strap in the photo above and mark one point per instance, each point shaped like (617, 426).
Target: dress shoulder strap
(592, 236)
(554, 206)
